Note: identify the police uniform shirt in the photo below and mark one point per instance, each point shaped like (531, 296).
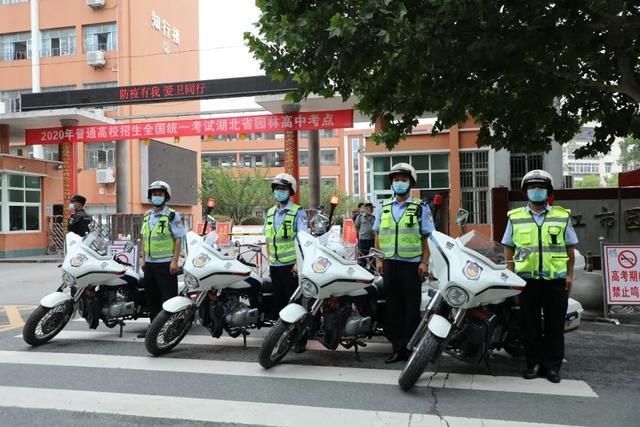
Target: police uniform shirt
(570, 236)
(397, 210)
(301, 222)
(176, 226)
(79, 222)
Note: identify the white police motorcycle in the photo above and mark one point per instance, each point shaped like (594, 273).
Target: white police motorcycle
(100, 286)
(332, 282)
(224, 293)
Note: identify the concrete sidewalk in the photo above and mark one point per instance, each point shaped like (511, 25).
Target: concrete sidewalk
(35, 259)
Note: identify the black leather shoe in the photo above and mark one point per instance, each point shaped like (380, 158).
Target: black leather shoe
(142, 334)
(553, 376)
(395, 358)
(532, 372)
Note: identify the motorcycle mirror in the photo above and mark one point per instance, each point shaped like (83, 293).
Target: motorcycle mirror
(376, 253)
(462, 216)
(334, 201)
(129, 246)
(211, 203)
(521, 254)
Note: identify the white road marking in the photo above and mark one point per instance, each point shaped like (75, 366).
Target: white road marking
(226, 411)
(301, 372)
(226, 341)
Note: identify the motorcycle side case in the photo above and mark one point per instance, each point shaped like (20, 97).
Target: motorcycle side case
(574, 315)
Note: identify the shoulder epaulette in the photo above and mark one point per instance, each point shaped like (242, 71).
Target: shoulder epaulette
(513, 211)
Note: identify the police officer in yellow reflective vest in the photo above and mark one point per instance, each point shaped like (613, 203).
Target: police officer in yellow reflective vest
(162, 233)
(283, 221)
(540, 242)
(402, 228)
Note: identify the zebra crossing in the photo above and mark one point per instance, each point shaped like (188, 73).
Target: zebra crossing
(316, 388)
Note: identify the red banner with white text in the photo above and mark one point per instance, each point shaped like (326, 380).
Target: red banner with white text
(218, 126)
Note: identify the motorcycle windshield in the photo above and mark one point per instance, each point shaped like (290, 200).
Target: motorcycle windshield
(481, 246)
(333, 243)
(97, 244)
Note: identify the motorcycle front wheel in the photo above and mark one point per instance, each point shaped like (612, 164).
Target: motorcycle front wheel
(166, 331)
(427, 350)
(45, 323)
(277, 343)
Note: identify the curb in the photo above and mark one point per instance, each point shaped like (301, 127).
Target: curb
(29, 261)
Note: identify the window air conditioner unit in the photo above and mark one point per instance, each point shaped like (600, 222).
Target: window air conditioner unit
(105, 176)
(96, 58)
(96, 4)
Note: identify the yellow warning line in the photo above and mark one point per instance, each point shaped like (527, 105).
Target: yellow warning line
(14, 316)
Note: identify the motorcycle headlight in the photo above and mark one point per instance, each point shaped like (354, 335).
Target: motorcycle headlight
(68, 279)
(309, 289)
(456, 296)
(191, 281)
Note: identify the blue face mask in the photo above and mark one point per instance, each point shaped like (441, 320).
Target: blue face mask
(281, 195)
(537, 195)
(400, 187)
(157, 200)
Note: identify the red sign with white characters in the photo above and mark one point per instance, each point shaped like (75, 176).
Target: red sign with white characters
(219, 126)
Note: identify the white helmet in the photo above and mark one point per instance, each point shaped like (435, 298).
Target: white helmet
(287, 180)
(159, 185)
(406, 169)
(537, 176)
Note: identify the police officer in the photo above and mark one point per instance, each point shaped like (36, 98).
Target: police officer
(283, 221)
(364, 228)
(540, 242)
(402, 228)
(162, 231)
(79, 221)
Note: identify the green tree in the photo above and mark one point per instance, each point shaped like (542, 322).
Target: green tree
(630, 153)
(612, 181)
(590, 181)
(530, 72)
(236, 196)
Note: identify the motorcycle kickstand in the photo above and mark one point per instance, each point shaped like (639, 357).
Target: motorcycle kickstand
(122, 324)
(244, 339)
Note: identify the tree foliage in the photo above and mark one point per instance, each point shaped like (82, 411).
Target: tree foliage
(589, 181)
(630, 153)
(530, 72)
(236, 196)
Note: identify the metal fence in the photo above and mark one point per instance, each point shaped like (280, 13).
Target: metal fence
(109, 227)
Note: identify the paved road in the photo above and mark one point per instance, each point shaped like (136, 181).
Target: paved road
(95, 377)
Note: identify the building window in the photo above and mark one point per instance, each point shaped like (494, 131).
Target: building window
(221, 160)
(59, 42)
(432, 170)
(58, 88)
(474, 185)
(521, 163)
(100, 37)
(21, 211)
(584, 168)
(607, 167)
(12, 1)
(15, 46)
(11, 99)
(328, 157)
(99, 155)
(252, 160)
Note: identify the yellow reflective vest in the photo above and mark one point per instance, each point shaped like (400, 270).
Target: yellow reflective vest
(402, 237)
(541, 250)
(158, 242)
(282, 242)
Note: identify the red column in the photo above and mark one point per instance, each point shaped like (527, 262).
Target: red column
(69, 172)
(4, 139)
(291, 164)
